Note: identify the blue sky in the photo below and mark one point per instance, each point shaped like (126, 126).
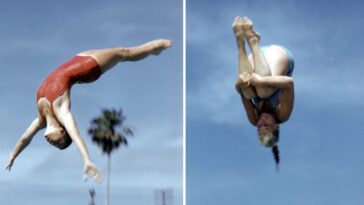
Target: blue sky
(36, 37)
(321, 145)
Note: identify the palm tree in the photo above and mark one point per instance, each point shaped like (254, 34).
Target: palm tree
(108, 132)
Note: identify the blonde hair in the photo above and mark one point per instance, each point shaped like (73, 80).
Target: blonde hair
(268, 140)
(271, 139)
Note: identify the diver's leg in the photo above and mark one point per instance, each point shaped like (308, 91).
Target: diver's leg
(261, 66)
(244, 64)
(25, 139)
(107, 58)
(61, 107)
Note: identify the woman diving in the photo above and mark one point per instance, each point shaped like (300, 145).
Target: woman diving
(53, 97)
(264, 83)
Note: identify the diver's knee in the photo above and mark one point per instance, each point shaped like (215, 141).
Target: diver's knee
(248, 92)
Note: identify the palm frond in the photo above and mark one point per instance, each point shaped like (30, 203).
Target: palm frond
(108, 132)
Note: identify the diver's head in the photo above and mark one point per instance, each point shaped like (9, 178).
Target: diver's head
(59, 138)
(268, 130)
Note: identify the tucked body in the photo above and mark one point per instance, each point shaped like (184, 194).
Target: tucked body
(264, 82)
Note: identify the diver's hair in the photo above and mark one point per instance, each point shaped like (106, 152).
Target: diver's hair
(276, 132)
(275, 149)
(270, 140)
(61, 139)
(275, 152)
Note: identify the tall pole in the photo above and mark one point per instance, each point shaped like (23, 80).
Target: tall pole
(92, 195)
(163, 197)
(107, 195)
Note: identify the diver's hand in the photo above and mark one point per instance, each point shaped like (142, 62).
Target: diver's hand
(10, 164)
(242, 82)
(91, 170)
(250, 79)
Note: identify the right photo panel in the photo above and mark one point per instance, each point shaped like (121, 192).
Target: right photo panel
(274, 102)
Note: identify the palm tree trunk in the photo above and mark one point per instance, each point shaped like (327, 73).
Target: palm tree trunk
(108, 165)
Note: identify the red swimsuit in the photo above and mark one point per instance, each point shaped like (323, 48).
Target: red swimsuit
(80, 69)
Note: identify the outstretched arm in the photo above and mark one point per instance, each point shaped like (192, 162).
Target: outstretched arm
(61, 107)
(25, 139)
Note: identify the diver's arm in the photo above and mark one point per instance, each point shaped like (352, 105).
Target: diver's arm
(61, 107)
(24, 140)
(250, 109)
(278, 81)
(286, 101)
(275, 81)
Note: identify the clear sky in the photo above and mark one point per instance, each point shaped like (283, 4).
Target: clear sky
(321, 145)
(35, 38)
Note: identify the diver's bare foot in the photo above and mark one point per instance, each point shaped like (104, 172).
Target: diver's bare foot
(159, 45)
(238, 28)
(251, 35)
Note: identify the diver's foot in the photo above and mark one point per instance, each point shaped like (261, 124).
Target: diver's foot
(238, 28)
(251, 35)
(159, 45)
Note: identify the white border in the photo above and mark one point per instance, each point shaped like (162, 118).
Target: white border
(184, 102)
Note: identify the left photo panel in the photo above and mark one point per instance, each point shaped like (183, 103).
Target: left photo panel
(120, 66)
